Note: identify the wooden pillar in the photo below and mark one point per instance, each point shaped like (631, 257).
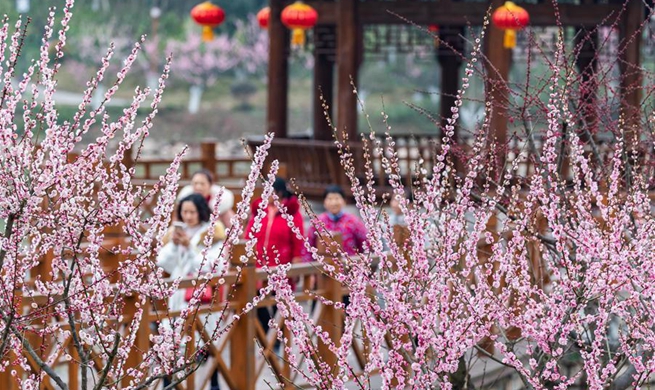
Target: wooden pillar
(587, 64)
(190, 331)
(242, 344)
(208, 156)
(323, 80)
(278, 73)
(347, 61)
(496, 92)
(450, 59)
(630, 61)
(7, 381)
(74, 367)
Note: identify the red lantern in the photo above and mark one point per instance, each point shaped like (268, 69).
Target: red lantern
(510, 17)
(262, 17)
(299, 17)
(208, 15)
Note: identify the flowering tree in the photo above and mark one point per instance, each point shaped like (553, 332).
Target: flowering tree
(201, 63)
(252, 46)
(91, 41)
(543, 271)
(547, 273)
(58, 297)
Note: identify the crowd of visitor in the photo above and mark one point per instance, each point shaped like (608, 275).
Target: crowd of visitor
(184, 252)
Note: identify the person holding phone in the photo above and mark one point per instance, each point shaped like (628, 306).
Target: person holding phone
(181, 254)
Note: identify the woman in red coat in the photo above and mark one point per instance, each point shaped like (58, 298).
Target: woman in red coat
(276, 242)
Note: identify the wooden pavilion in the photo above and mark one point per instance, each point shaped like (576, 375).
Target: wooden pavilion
(339, 45)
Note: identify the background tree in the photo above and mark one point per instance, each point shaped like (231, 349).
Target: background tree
(243, 54)
(201, 63)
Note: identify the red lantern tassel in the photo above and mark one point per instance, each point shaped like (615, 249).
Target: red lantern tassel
(509, 40)
(298, 37)
(207, 33)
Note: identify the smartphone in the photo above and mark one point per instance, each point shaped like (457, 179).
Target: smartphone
(179, 226)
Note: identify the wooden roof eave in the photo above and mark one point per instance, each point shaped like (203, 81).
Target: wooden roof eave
(463, 13)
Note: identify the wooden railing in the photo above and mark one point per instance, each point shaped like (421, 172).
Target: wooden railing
(316, 164)
(244, 366)
(230, 171)
(234, 355)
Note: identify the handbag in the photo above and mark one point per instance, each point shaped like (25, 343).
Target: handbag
(205, 297)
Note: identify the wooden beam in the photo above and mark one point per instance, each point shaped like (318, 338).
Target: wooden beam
(323, 85)
(278, 73)
(347, 46)
(463, 13)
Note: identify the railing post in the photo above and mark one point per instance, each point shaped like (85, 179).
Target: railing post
(111, 261)
(208, 156)
(484, 254)
(44, 268)
(73, 367)
(128, 161)
(331, 319)
(286, 367)
(190, 327)
(71, 157)
(7, 380)
(401, 237)
(242, 343)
